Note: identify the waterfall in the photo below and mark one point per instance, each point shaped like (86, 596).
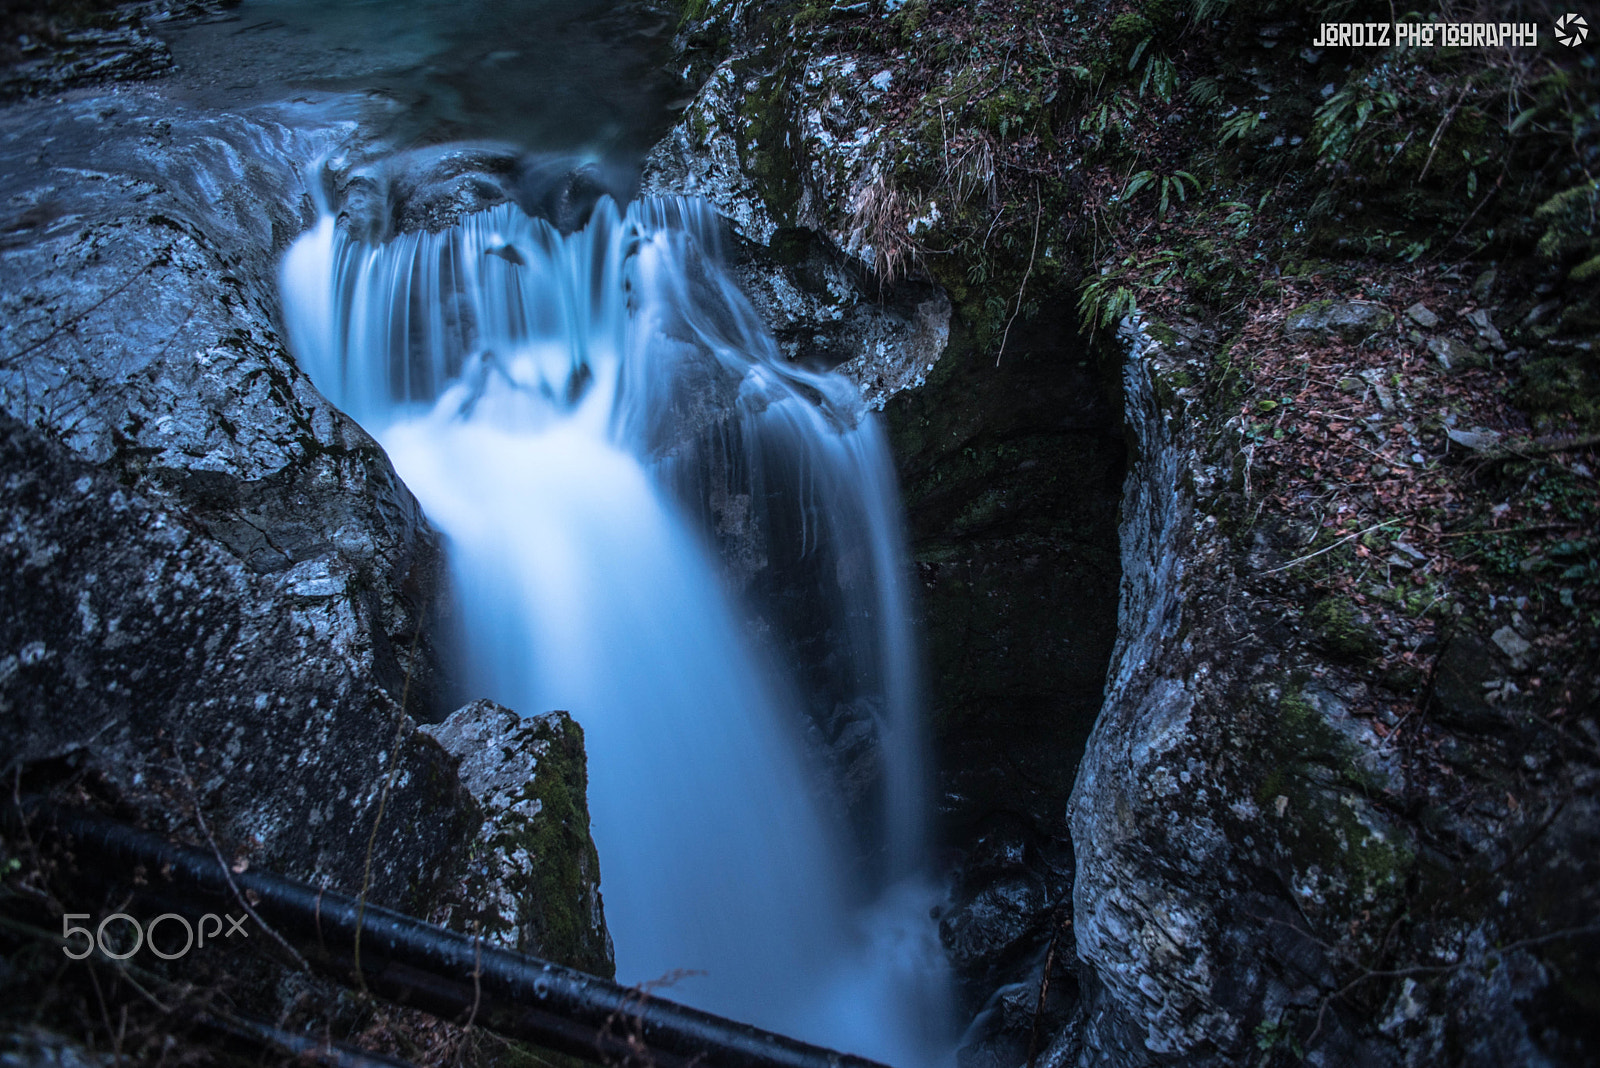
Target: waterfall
(609, 439)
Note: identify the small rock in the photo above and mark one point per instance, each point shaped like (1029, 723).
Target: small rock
(996, 920)
(1411, 551)
(1350, 320)
(1420, 314)
(1539, 313)
(1455, 356)
(1480, 439)
(1515, 646)
(1374, 378)
(1486, 329)
(1483, 286)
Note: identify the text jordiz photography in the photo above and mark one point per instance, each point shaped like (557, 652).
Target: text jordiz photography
(178, 935)
(1427, 35)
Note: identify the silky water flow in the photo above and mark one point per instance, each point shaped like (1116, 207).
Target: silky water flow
(578, 414)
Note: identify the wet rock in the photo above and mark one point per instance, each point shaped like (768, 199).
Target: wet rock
(1001, 848)
(430, 189)
(849, 738)
(1013, 1024)
(807, 267)
(821, 315)
(190, 677)
(85, 57)
(702, 156)
(533, 881)
(996, 921)
(138, 325)
(1350, 320)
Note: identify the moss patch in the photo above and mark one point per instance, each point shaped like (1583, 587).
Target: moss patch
(1340, 628)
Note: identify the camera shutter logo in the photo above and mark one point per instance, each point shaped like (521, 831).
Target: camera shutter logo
(1571, 30)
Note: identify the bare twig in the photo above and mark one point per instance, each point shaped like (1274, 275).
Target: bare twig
(227, 871)
(1023, 288)
(1438, 134)
(1329, 548)
(1044, 988)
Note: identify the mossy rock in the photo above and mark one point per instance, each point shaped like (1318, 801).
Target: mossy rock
(1554, 387)
(532, 880)
(1342, 853)
(1340, 628)
(1129, 28)
(1353, 321)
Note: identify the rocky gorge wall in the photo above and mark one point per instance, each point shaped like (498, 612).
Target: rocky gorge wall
(1318, 819)
(1012, 471)
(225, 616)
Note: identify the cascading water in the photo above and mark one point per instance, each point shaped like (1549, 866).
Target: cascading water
(569, 409)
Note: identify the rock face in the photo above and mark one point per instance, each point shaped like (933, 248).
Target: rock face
(219, 596)
(1252, 855)
(1011, 477)
(533, 883)
(269, 610)
(140, 650)
(813, 275)
(45, 57)
(139, 329)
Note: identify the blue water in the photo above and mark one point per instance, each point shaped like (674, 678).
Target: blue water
(542, 396)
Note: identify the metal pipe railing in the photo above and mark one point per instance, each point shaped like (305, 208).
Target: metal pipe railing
(442, 972)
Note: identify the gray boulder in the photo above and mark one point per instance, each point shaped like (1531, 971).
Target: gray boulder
(1352, 321)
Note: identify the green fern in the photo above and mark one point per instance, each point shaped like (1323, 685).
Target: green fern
(1177, 185)
(1339, 122)
(1103, 302)
(1160, 74)
(1206, 93)
(1240, 126)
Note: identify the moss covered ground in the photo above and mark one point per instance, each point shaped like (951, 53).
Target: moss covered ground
(1198, 163)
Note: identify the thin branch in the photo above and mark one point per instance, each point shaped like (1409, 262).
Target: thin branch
(1037, 215)
(1329, 548)
(227, 872)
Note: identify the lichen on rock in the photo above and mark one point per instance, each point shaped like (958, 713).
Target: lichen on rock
(532, 876)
